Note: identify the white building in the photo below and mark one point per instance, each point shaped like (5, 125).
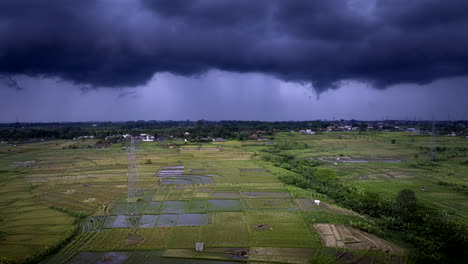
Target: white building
(146, 137)
(307, 132)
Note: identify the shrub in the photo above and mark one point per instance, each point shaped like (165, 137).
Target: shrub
(366, 227)
(77, 214)
(437, 238)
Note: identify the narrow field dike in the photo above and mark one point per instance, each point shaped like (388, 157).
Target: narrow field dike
(353, 197)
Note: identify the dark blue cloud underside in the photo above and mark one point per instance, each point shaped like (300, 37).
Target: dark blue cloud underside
(100, 43)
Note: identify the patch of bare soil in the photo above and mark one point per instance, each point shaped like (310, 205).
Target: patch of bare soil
(112, 258)
(107, 258)
(89, 200)
(121, 186)
(238, 253)
(133, 240)
(70, 191)
(350, 238)
(261, 226)
(209, 149)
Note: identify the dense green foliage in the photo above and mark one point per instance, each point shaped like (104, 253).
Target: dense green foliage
(76, 214)
(436, 237)
(201, 130)
(457, 186)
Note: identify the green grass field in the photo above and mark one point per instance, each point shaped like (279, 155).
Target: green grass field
(414, 169)
(246, 205)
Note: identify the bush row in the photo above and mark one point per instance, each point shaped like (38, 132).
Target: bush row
(437, 237)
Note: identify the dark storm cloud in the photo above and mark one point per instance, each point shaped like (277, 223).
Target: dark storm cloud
(10, 82)
(118, 43)
(425, 13)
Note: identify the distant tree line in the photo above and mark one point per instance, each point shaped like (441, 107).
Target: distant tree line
(199, 130)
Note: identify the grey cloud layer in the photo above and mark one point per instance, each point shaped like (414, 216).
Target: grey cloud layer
(119, 43)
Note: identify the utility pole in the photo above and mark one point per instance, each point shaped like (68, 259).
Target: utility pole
(134, 191)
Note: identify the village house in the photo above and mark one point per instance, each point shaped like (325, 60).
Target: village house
(146, 137)
(307, 132)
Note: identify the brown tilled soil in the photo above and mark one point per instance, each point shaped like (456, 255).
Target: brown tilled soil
(89, 200)
(200, 149)
(350, 238)
(107, 258)
(133, 240)
(261, 226)
(209, 149)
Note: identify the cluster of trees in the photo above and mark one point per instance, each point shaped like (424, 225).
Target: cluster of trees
(199, 130)
(203, 133)
(445, 127)
(229, 124)
(287, 145)
(18, 134)
(436, 236)
(444, 153)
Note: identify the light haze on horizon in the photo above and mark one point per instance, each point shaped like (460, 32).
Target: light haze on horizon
(220, 95)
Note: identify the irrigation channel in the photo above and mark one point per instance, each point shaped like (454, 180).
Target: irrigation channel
(241, 215)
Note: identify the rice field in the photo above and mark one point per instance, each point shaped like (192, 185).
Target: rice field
(219, 194)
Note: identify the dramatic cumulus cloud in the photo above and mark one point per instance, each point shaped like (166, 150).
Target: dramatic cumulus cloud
(121, 43)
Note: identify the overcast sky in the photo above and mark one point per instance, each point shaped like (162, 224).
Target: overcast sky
(117, 60)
